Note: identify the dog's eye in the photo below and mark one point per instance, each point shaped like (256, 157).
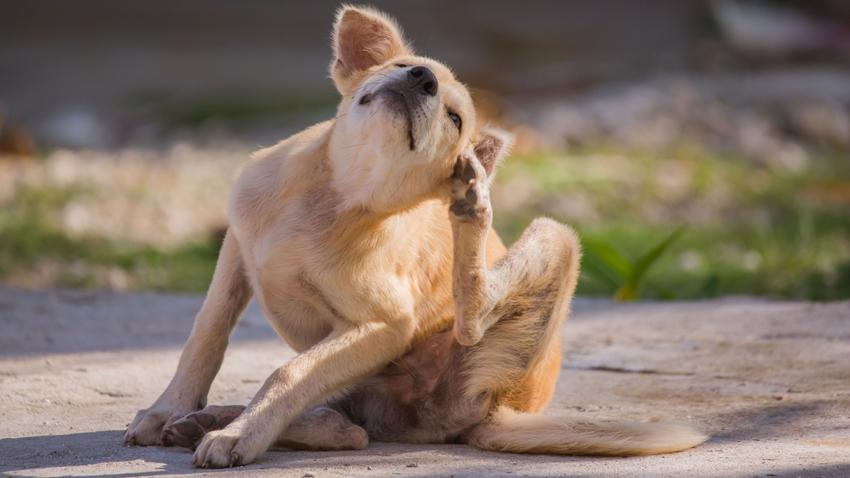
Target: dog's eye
(401, 65)
(455, 119)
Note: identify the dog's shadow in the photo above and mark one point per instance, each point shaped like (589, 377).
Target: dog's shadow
(101, 453)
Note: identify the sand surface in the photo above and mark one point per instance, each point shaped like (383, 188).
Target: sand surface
(770, 381)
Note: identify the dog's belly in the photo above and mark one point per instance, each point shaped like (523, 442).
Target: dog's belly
(419, 398)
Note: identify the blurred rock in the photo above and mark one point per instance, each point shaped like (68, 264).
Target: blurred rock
(762, 28)
(78, 127)
(769, 117)
(826, 122)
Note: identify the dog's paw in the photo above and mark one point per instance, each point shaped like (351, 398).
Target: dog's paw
(470, 192)
(226, 448)
(146, 428)
(188, 431)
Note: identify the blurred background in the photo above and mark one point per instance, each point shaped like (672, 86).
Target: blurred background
(701, 148)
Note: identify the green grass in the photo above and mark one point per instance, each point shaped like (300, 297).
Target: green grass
(31, 240)
(730, 261)
(773, 234)
(607, 263)
(744, 228)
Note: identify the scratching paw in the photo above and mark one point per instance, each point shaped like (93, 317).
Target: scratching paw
(470, 192)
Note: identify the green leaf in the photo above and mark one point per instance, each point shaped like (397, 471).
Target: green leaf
(710, 287)
(651, 257)
(629, 290)
(594, 267)
(615, 260)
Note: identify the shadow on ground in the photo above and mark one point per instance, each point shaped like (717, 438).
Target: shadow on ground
(93, 449)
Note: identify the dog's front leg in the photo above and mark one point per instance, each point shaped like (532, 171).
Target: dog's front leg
(203, 352)
(351, 353)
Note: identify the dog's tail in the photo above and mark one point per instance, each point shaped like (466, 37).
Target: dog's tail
(511, 431)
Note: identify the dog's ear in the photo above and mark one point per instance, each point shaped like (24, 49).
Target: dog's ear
(362, 38)
(492, 146)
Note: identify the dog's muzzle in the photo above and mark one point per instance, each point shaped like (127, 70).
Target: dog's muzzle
(406, 94)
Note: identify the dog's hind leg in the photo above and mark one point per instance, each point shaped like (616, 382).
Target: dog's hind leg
(321, 428)
(440, 389)
(518, 359)
(543, 263)
(514, 323)
(188, 431)
(511, 315)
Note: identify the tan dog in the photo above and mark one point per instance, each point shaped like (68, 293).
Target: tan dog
(364, 239)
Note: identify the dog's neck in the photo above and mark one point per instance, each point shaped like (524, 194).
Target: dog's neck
(379, 187)
(359, 231)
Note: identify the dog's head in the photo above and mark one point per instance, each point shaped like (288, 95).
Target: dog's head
(403, 119)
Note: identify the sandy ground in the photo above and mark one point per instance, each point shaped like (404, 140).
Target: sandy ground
(769, 380)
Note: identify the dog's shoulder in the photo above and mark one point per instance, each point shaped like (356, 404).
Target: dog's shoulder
(308, 142)
(278, 173)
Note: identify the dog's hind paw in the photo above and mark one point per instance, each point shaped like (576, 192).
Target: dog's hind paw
(146, 428)
(188, 431)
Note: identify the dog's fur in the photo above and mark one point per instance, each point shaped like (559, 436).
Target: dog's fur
(367, 242)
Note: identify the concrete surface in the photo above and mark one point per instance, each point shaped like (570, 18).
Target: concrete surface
(769, 380)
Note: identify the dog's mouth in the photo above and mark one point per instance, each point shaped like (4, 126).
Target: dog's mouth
(399, 102)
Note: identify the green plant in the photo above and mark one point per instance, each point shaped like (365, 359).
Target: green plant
(32, 239)
(607, 263)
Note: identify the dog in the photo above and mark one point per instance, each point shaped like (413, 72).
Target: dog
(367, 242)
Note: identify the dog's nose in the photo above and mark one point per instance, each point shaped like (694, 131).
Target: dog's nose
(422, 80)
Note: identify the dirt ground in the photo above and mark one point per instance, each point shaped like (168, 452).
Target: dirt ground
(770, 381)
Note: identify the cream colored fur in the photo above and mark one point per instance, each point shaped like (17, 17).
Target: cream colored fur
(515, 432)
(342, 233)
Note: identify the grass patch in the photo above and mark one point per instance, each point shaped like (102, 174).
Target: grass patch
(35, 250)
(746, 229)
(749, 230)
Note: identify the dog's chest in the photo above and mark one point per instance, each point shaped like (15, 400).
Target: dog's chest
(310, 278)
(294, 304)
(306, 292)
